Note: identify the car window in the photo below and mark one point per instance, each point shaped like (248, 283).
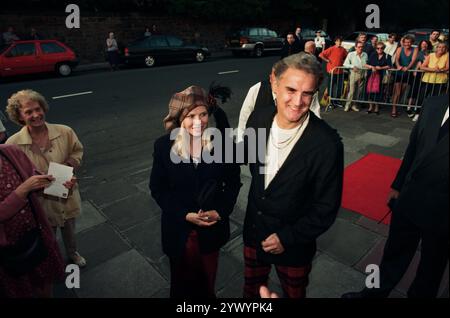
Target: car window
(23, 49)
(174, 41)
(263, 32)
(383, 37)
(49, 48)
(273, 34)
(158, 41)
(253, 32)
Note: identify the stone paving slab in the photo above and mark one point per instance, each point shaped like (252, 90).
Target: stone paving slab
(89, 217)
(132, 210)
(348, 215)
(105, 194)
(374, 257)
(330, 278)
(146, 237)
(126, 275)
(345, 248)
(351, 157)
(381, 140)
(373, 226)
(100, 244)
(390, 152)
(228, 268)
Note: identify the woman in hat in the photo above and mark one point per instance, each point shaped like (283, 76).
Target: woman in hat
(196, 198)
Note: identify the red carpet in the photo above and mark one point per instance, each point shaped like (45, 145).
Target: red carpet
(367, 183)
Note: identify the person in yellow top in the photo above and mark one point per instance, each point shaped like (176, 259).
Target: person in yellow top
(44, 143)
(435, 78)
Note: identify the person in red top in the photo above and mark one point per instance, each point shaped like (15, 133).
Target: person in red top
(335, 57)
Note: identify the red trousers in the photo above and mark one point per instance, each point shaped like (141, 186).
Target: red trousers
(294, 280)
(193, 275)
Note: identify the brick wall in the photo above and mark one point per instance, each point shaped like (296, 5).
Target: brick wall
(89, 40)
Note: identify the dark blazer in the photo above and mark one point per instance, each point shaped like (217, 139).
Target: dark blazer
(289, 49)
(176, 188)
(423, 178)
(302, 200)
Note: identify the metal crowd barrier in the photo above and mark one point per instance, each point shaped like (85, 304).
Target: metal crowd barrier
(411, 90)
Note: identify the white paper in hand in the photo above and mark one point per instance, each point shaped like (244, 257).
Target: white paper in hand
(62, 174)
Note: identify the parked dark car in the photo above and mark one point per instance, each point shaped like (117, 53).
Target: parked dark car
(156, 49)
(253, 41)
(424, 34)
(310, 35)
(37, 56)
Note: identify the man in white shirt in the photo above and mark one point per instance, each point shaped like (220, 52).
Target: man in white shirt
(319, 41)
(251, 99)
(355, 61)
(391, 46)
(296, 191)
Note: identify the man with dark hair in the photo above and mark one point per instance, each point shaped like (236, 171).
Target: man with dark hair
(335, 57)
(296, 192)
(420, 208)
(434, 39)
(290, 46)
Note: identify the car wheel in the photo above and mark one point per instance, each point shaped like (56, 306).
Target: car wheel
(149, 61)
(258, 52)
(64, 69)
(199, 57)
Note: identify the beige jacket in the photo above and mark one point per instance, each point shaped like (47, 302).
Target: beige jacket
(64, 148)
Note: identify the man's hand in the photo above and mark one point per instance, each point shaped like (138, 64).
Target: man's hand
(264, 292)
(393, 195)
(272, 245)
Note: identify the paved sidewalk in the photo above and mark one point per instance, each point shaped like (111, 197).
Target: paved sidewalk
(119, 231)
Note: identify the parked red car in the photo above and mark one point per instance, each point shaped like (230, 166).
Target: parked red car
(37, 56)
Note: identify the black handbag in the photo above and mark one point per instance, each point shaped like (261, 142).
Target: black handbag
(28, 252)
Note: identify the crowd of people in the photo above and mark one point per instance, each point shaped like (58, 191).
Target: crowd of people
(375, 72)
(295, 191)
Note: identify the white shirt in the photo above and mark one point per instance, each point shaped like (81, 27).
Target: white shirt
(277, 151)
(319, 41)
(354, 60)
(390, 49)
(249, 105)
(443, 121)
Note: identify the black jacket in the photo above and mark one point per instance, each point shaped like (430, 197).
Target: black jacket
(302, 200)
(423, 178)
(176, 189)
(289, 49)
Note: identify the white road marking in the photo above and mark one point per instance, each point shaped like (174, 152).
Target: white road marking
(72, 95)
(228, 72)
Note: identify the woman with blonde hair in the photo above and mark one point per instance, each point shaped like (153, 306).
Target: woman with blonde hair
(196, 198)
(43, 143)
